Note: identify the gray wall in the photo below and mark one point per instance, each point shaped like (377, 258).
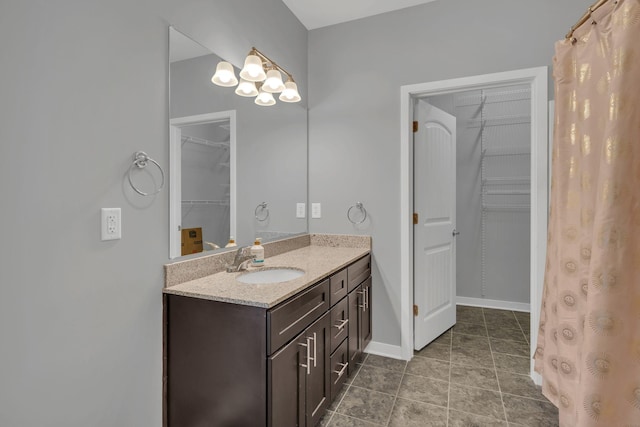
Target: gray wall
(355, 73)
(84, 85)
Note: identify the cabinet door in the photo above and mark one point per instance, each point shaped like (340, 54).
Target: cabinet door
(287, 381)
(318, 380)
(354, 328)
(365, 308)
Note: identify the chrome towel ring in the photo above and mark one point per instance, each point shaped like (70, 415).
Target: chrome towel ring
(263, 208)
(351, 213)
(140, 161)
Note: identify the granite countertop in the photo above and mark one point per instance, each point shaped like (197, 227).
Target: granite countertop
(318, 262)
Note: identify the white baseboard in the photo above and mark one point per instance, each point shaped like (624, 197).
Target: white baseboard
(494, 303)
(386, 350)
(395, 351)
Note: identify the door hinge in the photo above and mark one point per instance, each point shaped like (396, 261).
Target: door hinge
(415, 219)
(415, 126)
(415, 310)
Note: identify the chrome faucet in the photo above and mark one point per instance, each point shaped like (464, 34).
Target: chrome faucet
(241, 260)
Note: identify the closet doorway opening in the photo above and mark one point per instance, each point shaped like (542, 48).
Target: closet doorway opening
(474, 166)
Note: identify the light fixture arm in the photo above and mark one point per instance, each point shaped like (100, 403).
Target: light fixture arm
(269, 63)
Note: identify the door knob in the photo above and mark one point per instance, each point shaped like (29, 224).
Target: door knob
(455, 232)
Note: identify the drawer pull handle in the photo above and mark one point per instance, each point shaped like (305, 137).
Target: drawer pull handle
(307, 366)
(342, 324)
(342, 370)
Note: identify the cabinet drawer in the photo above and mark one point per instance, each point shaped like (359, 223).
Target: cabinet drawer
(339, 287)
(358, 272)
(339, 323)
(291, 317)
(339, 369)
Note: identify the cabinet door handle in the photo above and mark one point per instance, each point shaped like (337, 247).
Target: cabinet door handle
(341, 324)
(341, 371)
(366, 298)
(364, 305)
(315, 347)
(308, 364)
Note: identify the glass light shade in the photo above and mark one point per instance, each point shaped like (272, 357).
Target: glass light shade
(246, 88)
(252, 70)
(273, 83)
(290, 92)
(224, 76)
(265, 99)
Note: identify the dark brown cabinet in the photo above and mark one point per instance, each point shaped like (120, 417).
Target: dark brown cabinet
(359, 321)
(339, 323)
(233, 365)
(359, 300)
(299, 387)
(365, 314)
(339, 368)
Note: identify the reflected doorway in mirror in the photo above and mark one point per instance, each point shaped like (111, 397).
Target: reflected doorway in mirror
(203, 178)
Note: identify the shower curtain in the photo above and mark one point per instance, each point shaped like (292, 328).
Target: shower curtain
(589, 337)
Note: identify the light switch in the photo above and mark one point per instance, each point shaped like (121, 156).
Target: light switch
(301, 210)
(316, 211)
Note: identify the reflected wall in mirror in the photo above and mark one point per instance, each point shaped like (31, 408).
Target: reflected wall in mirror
(236, 168)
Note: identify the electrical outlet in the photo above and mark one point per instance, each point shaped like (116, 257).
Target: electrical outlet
(111, 224)
(316, 210)
(301, 210)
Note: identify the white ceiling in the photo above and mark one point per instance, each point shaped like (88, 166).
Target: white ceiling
(321, 13)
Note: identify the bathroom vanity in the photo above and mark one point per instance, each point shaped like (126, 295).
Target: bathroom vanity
(272, 354)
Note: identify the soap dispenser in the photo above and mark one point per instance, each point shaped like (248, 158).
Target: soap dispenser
(258, 251)
(232, 242)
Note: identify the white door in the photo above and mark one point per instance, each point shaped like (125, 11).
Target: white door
(434, 200)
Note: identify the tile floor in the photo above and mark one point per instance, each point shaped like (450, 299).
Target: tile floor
(475, 374)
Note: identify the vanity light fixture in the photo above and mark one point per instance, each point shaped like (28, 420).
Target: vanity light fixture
(224, 75)
(273, 82)
(246, 88)
(260, 77)
(265, 98)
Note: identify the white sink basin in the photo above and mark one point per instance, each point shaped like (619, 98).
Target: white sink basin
(271, 275)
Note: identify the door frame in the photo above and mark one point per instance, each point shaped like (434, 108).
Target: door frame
(175, 172)
(537, 78)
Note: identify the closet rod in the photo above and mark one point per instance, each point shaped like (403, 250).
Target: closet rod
(205, 142)
(585, 17)
(507, 180)
(507, 192)
(474, 99)
(206, 202)
(506, 207)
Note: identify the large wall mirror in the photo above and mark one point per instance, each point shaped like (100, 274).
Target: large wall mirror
(237, 169)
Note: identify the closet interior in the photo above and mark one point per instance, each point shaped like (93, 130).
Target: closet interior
(493, 194)
(205, 163)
